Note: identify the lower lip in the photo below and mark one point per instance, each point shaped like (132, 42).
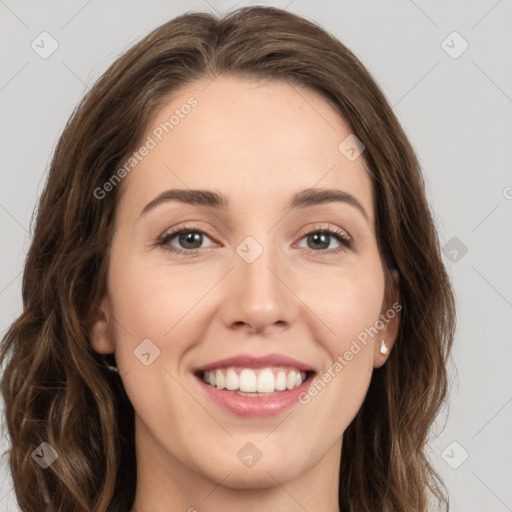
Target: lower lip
(253, 406)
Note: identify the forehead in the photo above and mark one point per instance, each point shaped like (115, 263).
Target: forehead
(252, 140)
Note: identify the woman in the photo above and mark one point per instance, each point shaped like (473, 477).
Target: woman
(261, 365)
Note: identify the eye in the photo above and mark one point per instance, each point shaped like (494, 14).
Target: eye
(320, 240)
(190, 240)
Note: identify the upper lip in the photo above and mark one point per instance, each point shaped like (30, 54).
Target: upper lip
(249, 361)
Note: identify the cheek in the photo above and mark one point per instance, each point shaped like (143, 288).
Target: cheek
(351, 310)
(350, 304)
(351, 307)
(154, 301)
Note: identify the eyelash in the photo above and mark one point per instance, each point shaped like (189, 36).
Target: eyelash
(345, 242)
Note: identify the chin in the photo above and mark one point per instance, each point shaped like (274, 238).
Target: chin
(261, 478)
(264, 473)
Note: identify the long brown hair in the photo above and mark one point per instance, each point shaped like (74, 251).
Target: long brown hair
(56, 388)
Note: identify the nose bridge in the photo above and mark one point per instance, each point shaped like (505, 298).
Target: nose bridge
(253, 266)
(255, 261)
(257, 295)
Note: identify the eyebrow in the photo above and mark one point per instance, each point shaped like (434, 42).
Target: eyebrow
(303, 199)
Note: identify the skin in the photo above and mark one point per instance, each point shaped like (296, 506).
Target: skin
(257, 143)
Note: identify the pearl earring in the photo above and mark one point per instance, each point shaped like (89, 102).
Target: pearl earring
(383, 348)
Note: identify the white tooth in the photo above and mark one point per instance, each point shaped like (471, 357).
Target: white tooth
(266, 381)
(290, 380)
(220, 380)
(280, 383)
(247, 381)
(231, 379)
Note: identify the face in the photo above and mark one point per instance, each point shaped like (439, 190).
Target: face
(289, 289)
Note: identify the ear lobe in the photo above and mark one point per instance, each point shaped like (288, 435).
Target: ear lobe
(99, 329)
(390, 317)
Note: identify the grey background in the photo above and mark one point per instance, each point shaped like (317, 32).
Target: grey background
(456, 111)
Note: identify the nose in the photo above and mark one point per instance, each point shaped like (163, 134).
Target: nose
(259, 296)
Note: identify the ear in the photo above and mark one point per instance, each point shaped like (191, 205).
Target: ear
(99, 328)
(390, 318)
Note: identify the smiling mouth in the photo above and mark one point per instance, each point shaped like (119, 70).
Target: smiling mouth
(255, 382)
